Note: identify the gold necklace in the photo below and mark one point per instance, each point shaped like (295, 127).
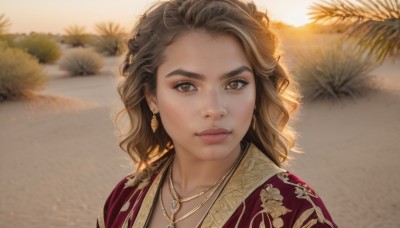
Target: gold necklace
(182, 200)
(175, 205)
(176, 200)
(175, 209)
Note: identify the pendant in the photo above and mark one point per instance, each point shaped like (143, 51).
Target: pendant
(175, 206)
(171, 226)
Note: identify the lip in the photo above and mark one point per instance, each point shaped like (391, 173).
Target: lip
(214, 135)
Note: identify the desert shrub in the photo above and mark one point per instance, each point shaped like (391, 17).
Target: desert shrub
(8, 40)
(20, 73)
(42, 47)
(76, 36)
(332, 73)
(110, 38)
(4, 24)
(81, 62)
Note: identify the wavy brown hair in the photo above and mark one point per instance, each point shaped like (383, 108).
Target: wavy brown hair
(277, 94)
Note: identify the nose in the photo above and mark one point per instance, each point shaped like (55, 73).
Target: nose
(214, 105)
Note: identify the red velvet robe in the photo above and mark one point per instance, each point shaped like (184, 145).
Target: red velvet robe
(258, 194)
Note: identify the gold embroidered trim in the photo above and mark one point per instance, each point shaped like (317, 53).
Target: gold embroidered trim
(147, 204)
(241, 215)
(100, 219)
(253, 171)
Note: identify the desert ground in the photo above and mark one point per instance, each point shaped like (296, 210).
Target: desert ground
(60, 158)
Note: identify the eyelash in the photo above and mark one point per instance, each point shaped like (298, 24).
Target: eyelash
(244, 82)
(181, 83)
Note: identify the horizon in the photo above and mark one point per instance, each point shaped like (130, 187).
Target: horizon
(61, 15)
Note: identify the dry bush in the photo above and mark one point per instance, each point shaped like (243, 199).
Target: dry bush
(5, 38)
(81, 62)
(42, 47)
(20, 73)
(110, 38)
(4, 24)
(8, 40)
(332, 73)
(76, 36)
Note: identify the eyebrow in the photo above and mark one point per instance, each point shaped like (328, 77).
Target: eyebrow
(201, 77)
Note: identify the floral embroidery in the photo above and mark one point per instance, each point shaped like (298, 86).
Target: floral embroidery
(302, 191)
(271, 199)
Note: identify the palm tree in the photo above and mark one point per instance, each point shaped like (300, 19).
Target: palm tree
(374, 25)
(4, 24)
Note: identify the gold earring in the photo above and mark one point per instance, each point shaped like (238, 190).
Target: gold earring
(253, 122)
(154, 123)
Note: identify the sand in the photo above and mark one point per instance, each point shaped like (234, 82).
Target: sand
(60, 159)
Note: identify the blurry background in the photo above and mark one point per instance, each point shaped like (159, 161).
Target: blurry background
(53, 16)
(59, 157)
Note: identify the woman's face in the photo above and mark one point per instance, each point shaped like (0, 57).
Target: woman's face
(205, 95)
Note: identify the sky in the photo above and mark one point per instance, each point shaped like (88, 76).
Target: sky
(55, 15)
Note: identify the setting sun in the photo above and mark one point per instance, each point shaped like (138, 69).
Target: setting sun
(290, 12)
(296, 20)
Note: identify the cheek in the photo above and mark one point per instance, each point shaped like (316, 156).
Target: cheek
(242, 107)
(174, 113)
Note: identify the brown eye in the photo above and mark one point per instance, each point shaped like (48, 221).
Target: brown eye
(237, 84)
(185, 87)
(234, 85)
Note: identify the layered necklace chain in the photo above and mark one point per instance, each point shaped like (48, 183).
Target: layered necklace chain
(176, 200)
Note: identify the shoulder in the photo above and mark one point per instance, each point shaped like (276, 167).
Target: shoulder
(126, 194)
(288, 201)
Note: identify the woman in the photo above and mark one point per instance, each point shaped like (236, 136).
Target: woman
(208, 105)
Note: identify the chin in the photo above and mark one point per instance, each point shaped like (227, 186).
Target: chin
(215, 152)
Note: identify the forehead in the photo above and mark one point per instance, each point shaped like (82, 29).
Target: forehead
(204, 53)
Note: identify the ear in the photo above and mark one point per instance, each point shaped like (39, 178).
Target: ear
(151, 99)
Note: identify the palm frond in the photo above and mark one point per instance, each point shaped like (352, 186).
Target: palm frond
(376, 38)
(337, 12)
(374, 25)
(345, 11)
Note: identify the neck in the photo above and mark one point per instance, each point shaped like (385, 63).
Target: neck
(193, 175)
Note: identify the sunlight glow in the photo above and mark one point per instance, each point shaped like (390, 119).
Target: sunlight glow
(296, 20)
(287, 11)
(55, 16)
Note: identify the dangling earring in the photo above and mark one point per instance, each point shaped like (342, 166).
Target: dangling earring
(154, 123)
(253, 122)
